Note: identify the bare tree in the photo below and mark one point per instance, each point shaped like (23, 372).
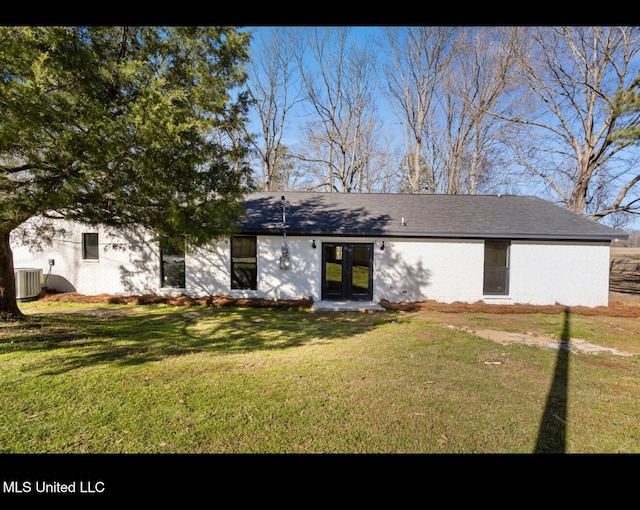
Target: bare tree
(419, 58)
(379, 172)
(340, 134)
(290, 175)
(580, 75)
(466, 142)
(272, 82)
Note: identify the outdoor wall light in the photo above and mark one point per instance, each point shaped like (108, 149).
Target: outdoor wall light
(382, 246)
(313, 244)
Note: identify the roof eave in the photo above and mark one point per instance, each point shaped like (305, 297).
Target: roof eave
(436, 235)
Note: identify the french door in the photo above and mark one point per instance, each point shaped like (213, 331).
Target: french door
(347, 271)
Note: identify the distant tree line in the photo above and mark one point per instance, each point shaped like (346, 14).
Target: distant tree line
(632, 242)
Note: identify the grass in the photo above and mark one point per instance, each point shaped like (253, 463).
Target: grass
(159, 379)
(625, 253)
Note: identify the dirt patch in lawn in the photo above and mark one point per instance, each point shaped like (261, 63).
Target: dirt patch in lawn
(540, 340)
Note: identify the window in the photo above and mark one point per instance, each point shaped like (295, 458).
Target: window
(496, 268)
(244, 268)
(172, 268)
(90, 246)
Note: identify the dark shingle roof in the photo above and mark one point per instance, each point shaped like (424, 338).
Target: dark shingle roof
(381, 214)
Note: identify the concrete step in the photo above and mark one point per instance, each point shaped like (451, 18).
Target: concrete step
(346, 306)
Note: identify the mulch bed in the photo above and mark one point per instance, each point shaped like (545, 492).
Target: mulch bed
(218, 301)
(615, 308)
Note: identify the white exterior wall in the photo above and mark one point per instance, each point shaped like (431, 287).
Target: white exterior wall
(571, 274)
(441, 270)
(407, 270)
(540, 273)
(208, 270)
(127, 264)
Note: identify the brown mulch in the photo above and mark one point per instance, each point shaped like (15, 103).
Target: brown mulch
(218, 301)
(628, 308)
(620, 305)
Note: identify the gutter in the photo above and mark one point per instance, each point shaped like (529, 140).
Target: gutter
(443, 235)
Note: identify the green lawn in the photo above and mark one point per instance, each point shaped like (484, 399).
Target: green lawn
(159, 379)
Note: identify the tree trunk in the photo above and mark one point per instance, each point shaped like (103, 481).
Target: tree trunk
(8, 305)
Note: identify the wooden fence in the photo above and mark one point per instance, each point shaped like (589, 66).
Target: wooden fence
(624, 275)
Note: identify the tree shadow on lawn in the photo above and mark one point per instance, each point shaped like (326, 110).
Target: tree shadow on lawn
(93, 337)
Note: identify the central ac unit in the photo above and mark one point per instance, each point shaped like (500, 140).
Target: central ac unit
(28, 284)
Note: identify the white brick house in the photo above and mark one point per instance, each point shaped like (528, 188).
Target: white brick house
(338, 247)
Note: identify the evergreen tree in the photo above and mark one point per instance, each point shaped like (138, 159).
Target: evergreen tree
(121, 126)
(628, 103)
